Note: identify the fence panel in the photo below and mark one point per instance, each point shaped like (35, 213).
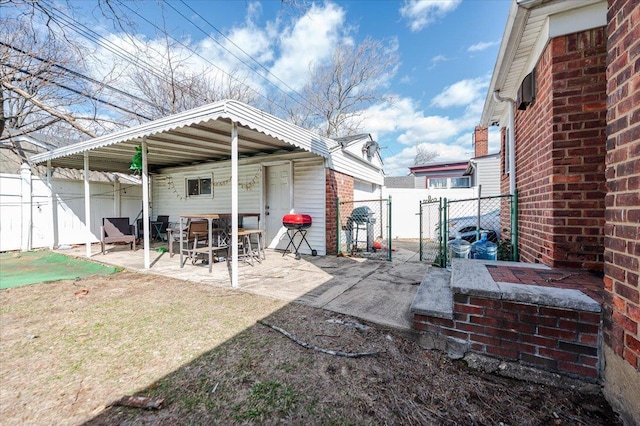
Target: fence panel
(365, 228)
(430, 237)
(467, 219)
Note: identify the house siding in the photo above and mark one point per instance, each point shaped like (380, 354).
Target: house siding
(622, 229)
(309, 198)
(487, 174)
(560, 149)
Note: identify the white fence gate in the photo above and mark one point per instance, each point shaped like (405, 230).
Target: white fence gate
(33, 216)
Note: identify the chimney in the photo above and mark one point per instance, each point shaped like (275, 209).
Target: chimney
(481, 141)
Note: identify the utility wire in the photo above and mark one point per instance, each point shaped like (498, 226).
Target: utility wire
(76, 91)
(202, 57)
(243, 51)
(77, 74)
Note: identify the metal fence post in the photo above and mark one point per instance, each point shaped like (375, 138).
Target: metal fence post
(444, 231)
(420, 210)
(338, 225)
(514, 226)
(389, 229)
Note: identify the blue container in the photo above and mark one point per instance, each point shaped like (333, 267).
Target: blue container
(484, 249)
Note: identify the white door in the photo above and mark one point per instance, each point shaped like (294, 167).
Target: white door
(278, 203)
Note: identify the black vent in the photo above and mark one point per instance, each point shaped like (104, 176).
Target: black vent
(527, 91)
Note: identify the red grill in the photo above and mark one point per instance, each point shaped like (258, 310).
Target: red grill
(297, 224)
(296, 221)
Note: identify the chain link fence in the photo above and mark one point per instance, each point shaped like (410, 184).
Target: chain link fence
(365, 228)
(430, 236)
(468, 219)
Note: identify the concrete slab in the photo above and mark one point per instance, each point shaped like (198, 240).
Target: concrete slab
(373, 290)
(471, 277)
(434, 296)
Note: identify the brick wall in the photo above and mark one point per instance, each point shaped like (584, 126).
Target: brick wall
(481, 141)
(560, 155)
(622, 230)
(554, 339)
(338, 185)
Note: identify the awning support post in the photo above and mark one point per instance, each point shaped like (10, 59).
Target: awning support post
(234, 205)
(145, 204)
(87, 203)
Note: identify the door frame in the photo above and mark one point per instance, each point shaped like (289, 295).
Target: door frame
(265, 189)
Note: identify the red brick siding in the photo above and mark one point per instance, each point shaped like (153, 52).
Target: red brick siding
(338, 185)
(560, 155)
(622, 229)
(554, 339)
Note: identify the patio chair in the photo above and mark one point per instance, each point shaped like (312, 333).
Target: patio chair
(164, 220)
(117, 230)
(196, 240)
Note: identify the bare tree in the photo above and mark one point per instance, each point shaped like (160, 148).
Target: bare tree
(338, 92)
(424, 156)
(35, 90)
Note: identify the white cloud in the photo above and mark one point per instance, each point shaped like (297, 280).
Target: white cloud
(398, 165)
(479, 47)
(421, 13)
(461, 93)
(311, 39)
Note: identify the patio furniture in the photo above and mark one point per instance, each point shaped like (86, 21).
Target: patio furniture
(196, 242)
(117, 230)
(160, 226)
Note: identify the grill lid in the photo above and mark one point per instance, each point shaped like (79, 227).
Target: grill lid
(296, 219)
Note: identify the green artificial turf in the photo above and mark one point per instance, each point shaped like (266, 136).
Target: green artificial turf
(22, 268)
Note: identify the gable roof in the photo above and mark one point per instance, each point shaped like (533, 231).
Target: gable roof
(530, 25)
(199, 135)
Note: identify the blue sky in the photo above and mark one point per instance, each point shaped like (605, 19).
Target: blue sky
(446, 49)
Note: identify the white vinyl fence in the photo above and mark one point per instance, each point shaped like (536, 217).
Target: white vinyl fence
(405, 210)
(33, 216)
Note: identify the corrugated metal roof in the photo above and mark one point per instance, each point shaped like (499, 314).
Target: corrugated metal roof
(196, 136)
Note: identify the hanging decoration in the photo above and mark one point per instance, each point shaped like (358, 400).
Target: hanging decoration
(246, 185)
(136, 161)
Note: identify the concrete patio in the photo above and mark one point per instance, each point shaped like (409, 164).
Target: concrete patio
(377, 291)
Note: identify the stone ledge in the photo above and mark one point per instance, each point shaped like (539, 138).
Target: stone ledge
(434, 297)
(471, 277)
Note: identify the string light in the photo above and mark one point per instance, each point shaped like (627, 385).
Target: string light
(247, 186)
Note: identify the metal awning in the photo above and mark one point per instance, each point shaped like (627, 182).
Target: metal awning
(193, 137)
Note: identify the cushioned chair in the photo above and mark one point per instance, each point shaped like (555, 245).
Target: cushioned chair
(117, 230)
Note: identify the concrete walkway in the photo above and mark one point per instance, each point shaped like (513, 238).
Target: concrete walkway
(380, 292)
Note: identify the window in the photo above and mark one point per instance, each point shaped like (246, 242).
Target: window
(437, 182)
(199, 186)
(460, 182)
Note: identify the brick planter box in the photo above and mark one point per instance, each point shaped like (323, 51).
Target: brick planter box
(555, 329)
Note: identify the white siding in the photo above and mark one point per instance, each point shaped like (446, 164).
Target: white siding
(169, 194)
(488, 175)
(359, 169)
(308, 192)
(309, 198)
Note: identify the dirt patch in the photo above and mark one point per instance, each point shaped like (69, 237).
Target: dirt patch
(73, 347)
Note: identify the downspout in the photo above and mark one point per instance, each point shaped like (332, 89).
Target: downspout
(511, 141)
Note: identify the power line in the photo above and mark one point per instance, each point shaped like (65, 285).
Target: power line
(241, 50)
(77, 74)
(76, 91)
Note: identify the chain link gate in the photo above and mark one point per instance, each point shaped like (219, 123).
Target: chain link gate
(364, 228)
(430, 237)
(496, 216)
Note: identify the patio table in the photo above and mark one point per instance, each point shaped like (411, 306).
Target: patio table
(224, 223)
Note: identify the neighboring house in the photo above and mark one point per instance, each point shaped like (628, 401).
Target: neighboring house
(442, 175)
(484, 168)
(565, 93)
(280, 168)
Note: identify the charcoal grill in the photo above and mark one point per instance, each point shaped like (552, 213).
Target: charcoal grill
(297, 224)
